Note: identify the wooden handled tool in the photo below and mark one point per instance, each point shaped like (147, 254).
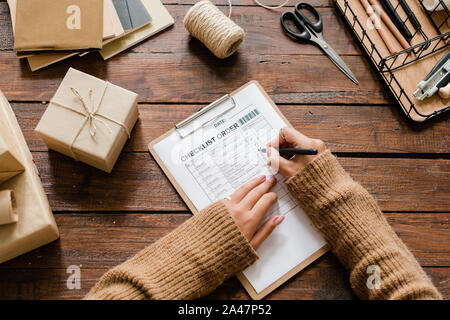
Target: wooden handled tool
(444, 92)
(381, 31)
(391, 25)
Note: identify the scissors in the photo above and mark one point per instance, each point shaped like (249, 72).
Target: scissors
(313, 32)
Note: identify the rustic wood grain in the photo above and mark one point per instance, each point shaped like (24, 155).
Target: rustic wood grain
(317, 3)
(263, 34)
(137, 183)
(306, 79)
(266, 55)
(101, 227)
(312, 283)
(105, 240)
(317, 283)
(98, 242)
(381, 129)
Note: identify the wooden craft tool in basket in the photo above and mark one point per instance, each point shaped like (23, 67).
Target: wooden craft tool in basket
(405, 68)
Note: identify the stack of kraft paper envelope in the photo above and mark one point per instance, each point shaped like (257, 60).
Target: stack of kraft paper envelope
(46, 31)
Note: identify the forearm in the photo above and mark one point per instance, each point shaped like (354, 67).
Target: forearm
(188, 263)
(358, 233)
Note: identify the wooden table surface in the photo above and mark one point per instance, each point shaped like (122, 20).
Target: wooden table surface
(106, 218)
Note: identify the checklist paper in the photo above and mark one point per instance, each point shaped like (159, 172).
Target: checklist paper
(220, 156)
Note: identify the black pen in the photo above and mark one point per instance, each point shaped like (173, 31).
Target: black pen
(293, 151)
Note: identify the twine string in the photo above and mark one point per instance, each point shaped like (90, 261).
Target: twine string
(90, 113)
(259, 4)
(213, 28)
(271, 7)
(91, 116)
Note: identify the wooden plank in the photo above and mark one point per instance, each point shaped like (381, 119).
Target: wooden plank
(318, 283)
(313, 283)
(380, 129)
(319, 3)
(263, 34)
(99, 242)
(404, 184)
(201, 78)
(262, 54)
(137, 184)
(291, 73)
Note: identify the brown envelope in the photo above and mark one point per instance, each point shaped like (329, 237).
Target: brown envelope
(111, 28)
(39, 61)
(161, 19)
(43, 25)
(36, 225)
(9, 165)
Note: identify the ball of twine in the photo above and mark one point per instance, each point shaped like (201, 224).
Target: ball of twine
(215, 30)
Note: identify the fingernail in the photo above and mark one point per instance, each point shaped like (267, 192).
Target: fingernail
(274, 220)
(263, 178)
(269, 151)
(278, 220)
(273, 180)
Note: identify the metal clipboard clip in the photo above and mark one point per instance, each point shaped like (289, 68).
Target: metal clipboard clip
(195, 122)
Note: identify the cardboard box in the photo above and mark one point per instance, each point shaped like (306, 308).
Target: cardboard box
(36, 225)
(10, 166)
(8, 208)
(89, 120)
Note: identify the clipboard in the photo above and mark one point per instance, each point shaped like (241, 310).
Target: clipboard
(247, 285)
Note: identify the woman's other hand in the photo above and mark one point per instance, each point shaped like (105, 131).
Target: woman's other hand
(248, 206)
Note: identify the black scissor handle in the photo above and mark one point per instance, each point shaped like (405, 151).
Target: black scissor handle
(318, 25)
(304, 33)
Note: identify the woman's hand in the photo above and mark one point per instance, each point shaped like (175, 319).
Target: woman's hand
(291, 138)
(249, 204)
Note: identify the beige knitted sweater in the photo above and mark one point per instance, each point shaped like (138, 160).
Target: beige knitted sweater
(199, 255)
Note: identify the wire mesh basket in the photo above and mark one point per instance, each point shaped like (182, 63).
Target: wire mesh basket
(425, 41)
(438, 13)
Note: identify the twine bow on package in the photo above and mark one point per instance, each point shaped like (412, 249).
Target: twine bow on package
(89, 120)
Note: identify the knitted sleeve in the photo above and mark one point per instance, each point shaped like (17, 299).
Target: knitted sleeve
(188, 263)
(380, 265)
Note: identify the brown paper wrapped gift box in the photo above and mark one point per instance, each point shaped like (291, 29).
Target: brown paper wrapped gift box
(36, 225)
(89, 120)
(9, 165)
(8, 209)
